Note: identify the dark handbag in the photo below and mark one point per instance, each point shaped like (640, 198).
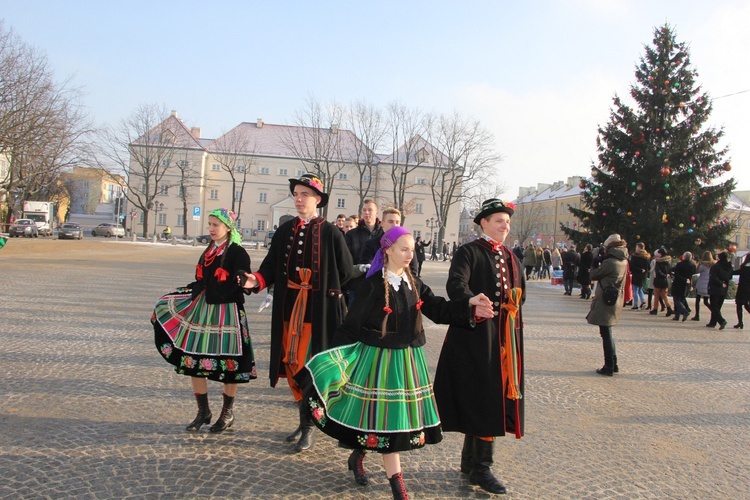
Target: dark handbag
(609, 295)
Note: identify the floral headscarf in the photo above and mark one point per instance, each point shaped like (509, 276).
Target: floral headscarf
(228, 217)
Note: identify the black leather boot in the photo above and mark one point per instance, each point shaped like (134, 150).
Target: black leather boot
(669, 311)
(307, 429)
(298, 431)
(615, 368)
(204, 413)
(480, 472)
(226, 419)
(398, 487)
(467, 454)
(357, 466)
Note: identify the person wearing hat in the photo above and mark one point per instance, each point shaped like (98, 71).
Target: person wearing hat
(479, 392)
(202, 330)
(308, 264)
(610, 273)
(373, 391)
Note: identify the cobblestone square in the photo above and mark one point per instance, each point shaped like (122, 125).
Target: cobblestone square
(90, 410)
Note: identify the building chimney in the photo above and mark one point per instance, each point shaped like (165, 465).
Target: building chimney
(174, 113)
(196, 132)
(259, 123)
(334, 128)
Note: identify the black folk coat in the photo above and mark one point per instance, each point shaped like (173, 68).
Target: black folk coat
(468, 383)
(332, 268)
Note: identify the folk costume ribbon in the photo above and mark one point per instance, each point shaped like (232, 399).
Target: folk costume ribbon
(509, 356)
(297, 319)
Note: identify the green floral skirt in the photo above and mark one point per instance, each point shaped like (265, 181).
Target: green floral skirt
(372, 398)
(204, 340)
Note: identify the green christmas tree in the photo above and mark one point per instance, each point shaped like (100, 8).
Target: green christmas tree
(657, 176)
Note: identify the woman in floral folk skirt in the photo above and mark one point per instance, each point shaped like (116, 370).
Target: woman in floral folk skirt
(201, 329)
(373, 392)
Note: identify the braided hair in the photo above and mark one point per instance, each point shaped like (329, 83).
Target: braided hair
(387, 289)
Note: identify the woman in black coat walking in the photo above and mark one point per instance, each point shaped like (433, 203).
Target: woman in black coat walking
(742, 299)
(718, 283)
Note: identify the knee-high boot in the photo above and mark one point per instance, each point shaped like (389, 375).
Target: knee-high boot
(226, 419)
(480, 472)
(307, 428)
(298, 431)
(204, 413)
(467, 454)
(398, 488)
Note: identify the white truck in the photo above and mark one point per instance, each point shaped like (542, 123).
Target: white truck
(42, 213)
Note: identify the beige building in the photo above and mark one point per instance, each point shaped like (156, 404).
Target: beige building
(540, 210)
(92, 190)
(252, 164)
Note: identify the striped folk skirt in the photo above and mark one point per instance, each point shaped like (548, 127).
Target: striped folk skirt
(372, 398)
(204, 340)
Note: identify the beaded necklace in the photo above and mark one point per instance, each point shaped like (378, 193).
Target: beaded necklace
(214, 252)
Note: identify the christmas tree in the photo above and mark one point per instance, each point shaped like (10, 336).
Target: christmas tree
(657, 176)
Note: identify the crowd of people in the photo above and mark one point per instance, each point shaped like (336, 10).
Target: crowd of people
(347, 334)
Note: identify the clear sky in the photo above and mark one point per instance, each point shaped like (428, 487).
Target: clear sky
(540, 75)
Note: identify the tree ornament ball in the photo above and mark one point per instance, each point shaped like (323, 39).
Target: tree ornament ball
(668, 198)
(690, 231)
(682, 225)
(639, 187)
(666, 184)
(732, 248)
(690, 170)
(682, 104)
(638, 236)
(728, 167)
(638, 153)
(633, 183)
(630, 214)
(698, 241)
(604, 214)
(581, 185)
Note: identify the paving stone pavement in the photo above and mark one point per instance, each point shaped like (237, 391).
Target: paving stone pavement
(88, 408)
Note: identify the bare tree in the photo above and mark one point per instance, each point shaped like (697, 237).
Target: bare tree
(405, 129)
(234, 153)
(188, 178)
(366, 123)
(463, 155)
(526, 222)
(317, 141)
(41, 123)
(143, 146)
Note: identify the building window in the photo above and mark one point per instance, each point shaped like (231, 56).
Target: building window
(213, 194)
(262, 197)
(284, 171)
(417, 233)
(183, 163)
(215, 167)
(300, 172)
(239, 168)
(180, 220)
(342, 176)
(261, 225)
(439, 182)
(181, 191)
(165, 162)
(747, 243)
(737, 239)
(162, 219)
(420, 181)
(264, 171)
(164, 190)
(418, 208)
(365, 177)
(341, 203)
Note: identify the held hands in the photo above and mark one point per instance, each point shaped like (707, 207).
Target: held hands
(247, 280)
(482, 306)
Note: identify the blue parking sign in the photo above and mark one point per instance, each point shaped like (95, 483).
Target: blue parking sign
(196, 211)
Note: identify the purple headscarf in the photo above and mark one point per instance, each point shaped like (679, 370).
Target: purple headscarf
(388, 239)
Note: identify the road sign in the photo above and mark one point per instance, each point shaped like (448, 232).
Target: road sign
(196, 213)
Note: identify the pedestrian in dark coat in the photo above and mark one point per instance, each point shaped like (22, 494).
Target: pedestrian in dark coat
(718, 284)
(682, 281)
(479, 393)
(419, 247)
(662, 269)
(584, 271)
(639, 268)
(308, 264)
(742, 297)
(570, 266)
(610, 273)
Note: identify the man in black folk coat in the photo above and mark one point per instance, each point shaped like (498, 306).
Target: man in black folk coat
(308, 264)
(479, 391)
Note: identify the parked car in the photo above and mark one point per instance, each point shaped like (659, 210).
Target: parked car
(70, 230)
(203, 238)
(108, 229)
(24, 227)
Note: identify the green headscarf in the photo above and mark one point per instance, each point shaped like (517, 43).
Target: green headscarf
(227, 217)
